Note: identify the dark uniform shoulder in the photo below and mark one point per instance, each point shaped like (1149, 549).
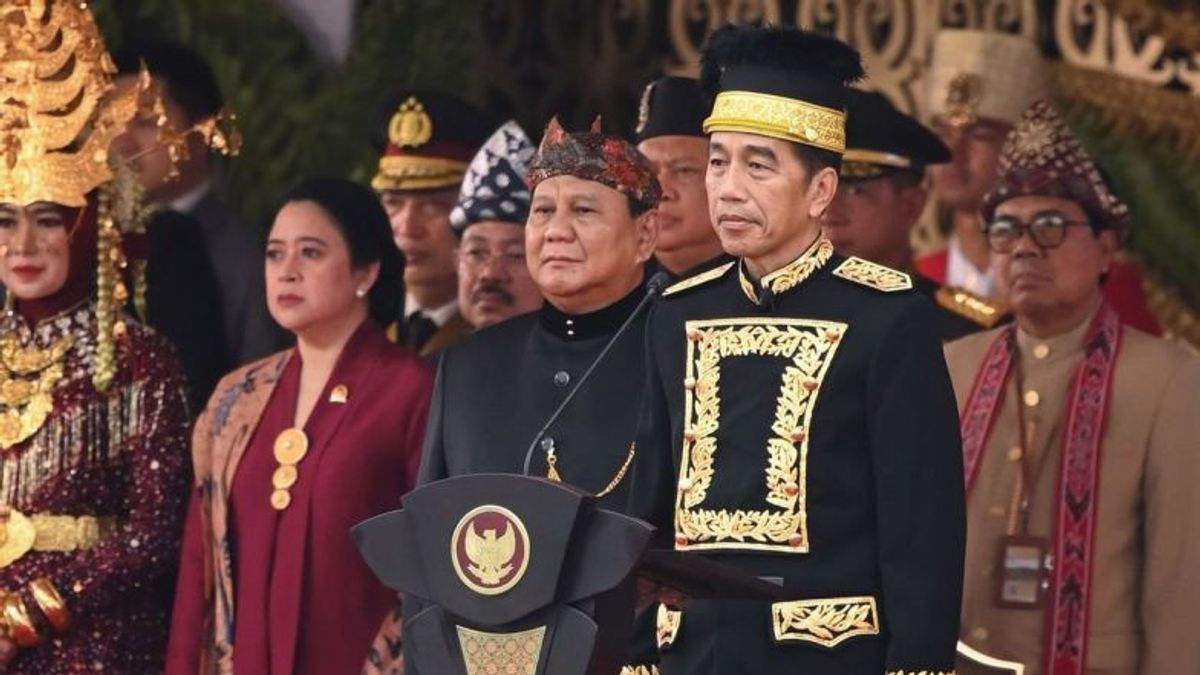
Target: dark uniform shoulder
(975, 308)
(698, 279)
(873, 275)
(487, 341)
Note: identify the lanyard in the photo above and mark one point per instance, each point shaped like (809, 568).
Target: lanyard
(1030, 471)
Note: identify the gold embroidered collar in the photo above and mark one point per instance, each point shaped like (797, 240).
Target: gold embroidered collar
(790, 275)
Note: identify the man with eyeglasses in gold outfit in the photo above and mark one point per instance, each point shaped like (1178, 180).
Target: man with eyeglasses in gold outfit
(1079, 438)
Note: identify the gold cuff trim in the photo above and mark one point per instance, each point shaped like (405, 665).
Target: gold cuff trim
(412, 172)
(667, 624)
(20, 534)
(807, 348)
(779, 117)
(876, 157)
(824, 621)
(873, 275)
(640, 670)
(509, 653)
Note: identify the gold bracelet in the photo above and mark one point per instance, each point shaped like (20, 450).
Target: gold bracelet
(50, 601)
(20, 626)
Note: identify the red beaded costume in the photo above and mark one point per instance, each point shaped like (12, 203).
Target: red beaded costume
(93, 420)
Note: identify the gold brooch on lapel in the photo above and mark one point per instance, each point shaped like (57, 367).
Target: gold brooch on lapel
(340, 394)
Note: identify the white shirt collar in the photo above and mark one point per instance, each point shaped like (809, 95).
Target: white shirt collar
(188, 201)
(962, 273)
(439, 315)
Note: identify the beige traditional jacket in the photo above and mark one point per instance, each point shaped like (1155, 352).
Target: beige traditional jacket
(1145, 595)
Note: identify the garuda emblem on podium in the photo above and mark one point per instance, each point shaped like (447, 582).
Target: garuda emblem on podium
(490, 549)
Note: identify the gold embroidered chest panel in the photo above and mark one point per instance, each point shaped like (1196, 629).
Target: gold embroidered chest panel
(804, 348)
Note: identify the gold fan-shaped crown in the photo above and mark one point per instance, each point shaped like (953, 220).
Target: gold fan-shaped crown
(58, 112)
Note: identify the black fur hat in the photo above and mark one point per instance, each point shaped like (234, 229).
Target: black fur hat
(782, 82)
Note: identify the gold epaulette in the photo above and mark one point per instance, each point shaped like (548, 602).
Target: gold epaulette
(873, 275)
(966, 304)
(698, 279)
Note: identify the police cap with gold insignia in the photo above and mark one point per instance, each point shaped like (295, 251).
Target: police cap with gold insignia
(431, 138)
(783, 83)
(672, 106)
(882, 141)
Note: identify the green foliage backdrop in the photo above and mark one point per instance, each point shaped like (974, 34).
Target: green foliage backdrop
(297, 115)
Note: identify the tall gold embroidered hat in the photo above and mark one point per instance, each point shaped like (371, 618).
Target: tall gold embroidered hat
(981, 74)
(783, 83)
(56, 119)
(431, 139)
(59, 113)
(1042, 157)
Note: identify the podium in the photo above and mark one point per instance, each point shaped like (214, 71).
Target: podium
(524, 576)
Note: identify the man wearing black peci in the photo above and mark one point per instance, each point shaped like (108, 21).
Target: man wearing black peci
(670, 135)
(800, 423)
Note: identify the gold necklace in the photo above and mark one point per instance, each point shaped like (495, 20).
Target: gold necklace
(552, 469)
(28, 376)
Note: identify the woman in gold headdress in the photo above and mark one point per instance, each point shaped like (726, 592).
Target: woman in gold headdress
(93, 450)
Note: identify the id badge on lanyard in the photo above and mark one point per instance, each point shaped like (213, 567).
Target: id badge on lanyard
(1024, 565)
(1023, 560)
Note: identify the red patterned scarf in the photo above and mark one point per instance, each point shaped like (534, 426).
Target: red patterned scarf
(1065, 651)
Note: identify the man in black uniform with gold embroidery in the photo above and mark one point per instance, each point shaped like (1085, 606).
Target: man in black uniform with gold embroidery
(881, 195)
(800, 423)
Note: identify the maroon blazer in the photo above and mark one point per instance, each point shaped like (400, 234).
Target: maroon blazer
(325, 605)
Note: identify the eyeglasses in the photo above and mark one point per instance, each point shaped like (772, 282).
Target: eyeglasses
(480, 257)
(1048, 230)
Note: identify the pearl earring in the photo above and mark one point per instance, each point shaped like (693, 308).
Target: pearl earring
(360, 293)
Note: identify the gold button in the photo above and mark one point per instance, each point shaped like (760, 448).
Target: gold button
(1015, 454)
(1032, 398)
(280, 499)
(980, 633)
(1041, 351)
(284, 477)
(290, 446)
(685, 484)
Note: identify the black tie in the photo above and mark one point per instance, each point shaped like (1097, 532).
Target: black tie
(418, 329)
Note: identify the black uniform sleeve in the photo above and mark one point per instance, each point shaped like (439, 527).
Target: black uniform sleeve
(917, 455)
(433, 452)
(652, 486)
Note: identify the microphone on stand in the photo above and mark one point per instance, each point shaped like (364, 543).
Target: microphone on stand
(654, 288)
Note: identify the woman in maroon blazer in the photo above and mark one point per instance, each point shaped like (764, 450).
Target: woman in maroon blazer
(295, 449)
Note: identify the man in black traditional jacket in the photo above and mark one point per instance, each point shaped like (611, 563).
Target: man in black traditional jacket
(591, 229)
(800, 423)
